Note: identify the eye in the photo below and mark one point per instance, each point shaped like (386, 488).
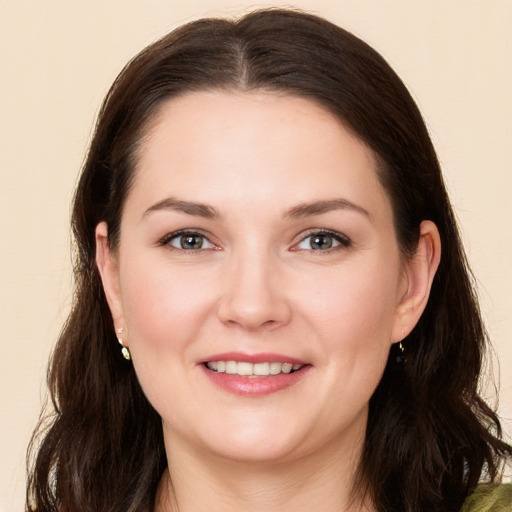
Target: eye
(187, 241)
(322, 241)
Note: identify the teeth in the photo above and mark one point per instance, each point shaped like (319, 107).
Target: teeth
(287, 367)
(245, 369)
(261, 369)
(231, 367)
(275, 368)
(249, 369)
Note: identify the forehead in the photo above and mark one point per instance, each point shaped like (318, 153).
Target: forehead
(249, 147)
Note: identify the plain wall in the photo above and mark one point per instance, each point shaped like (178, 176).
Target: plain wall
(58, 59)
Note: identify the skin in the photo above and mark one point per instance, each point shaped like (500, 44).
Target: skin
(256, 285)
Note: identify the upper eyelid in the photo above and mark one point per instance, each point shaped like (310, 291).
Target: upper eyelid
(343, 241)
(188, 231)
(331, 232)
(341, 237)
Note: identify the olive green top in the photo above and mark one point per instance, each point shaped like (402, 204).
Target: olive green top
(490, 498)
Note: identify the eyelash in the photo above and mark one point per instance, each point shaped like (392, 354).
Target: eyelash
(342, 240)
(167, 239)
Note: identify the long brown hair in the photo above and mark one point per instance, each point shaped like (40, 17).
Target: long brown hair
(430, 437)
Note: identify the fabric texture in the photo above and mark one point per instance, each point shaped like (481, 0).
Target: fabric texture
(490, 498)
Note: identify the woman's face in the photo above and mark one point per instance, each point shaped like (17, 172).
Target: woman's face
(256, 238)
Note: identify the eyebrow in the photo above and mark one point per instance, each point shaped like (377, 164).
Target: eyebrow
(297, 212)
(186, 207)
(319, 207)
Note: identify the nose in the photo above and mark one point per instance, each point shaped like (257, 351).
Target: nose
(254, 297)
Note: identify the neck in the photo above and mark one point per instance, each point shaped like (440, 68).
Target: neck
(320, 481)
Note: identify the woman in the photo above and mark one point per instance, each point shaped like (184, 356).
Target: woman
(263, 319)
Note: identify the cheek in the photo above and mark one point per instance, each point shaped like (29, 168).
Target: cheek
(356, 302)
(353, 316)
(163, 307)
(165, 310)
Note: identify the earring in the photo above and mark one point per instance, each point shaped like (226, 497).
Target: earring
(400, 357)
(124, 350)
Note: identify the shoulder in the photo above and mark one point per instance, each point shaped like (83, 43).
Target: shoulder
(490, 498)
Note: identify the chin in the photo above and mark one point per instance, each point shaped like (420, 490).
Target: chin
(258, 451)
(250, 439)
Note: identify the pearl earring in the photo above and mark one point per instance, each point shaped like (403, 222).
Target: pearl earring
(124, 350)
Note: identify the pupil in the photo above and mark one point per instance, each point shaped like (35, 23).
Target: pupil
(191, 242)
(321, 242)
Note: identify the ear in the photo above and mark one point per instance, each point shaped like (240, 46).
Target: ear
(419, 272)
(109, 272)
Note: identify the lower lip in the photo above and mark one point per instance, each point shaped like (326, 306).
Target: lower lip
(255, 386)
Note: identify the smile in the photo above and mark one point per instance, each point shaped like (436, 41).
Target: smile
(246, 369)
(254, 375)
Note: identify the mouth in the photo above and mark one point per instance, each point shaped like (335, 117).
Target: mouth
(254, 375)
(247, 369)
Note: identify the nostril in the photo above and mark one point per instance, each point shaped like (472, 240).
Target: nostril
(266, 316)
(253, 297)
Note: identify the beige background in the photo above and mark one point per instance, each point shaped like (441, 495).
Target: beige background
(58, 58)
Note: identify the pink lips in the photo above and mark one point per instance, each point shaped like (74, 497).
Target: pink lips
(252, 385)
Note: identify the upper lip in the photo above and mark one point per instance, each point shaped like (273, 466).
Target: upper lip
(262, 357)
